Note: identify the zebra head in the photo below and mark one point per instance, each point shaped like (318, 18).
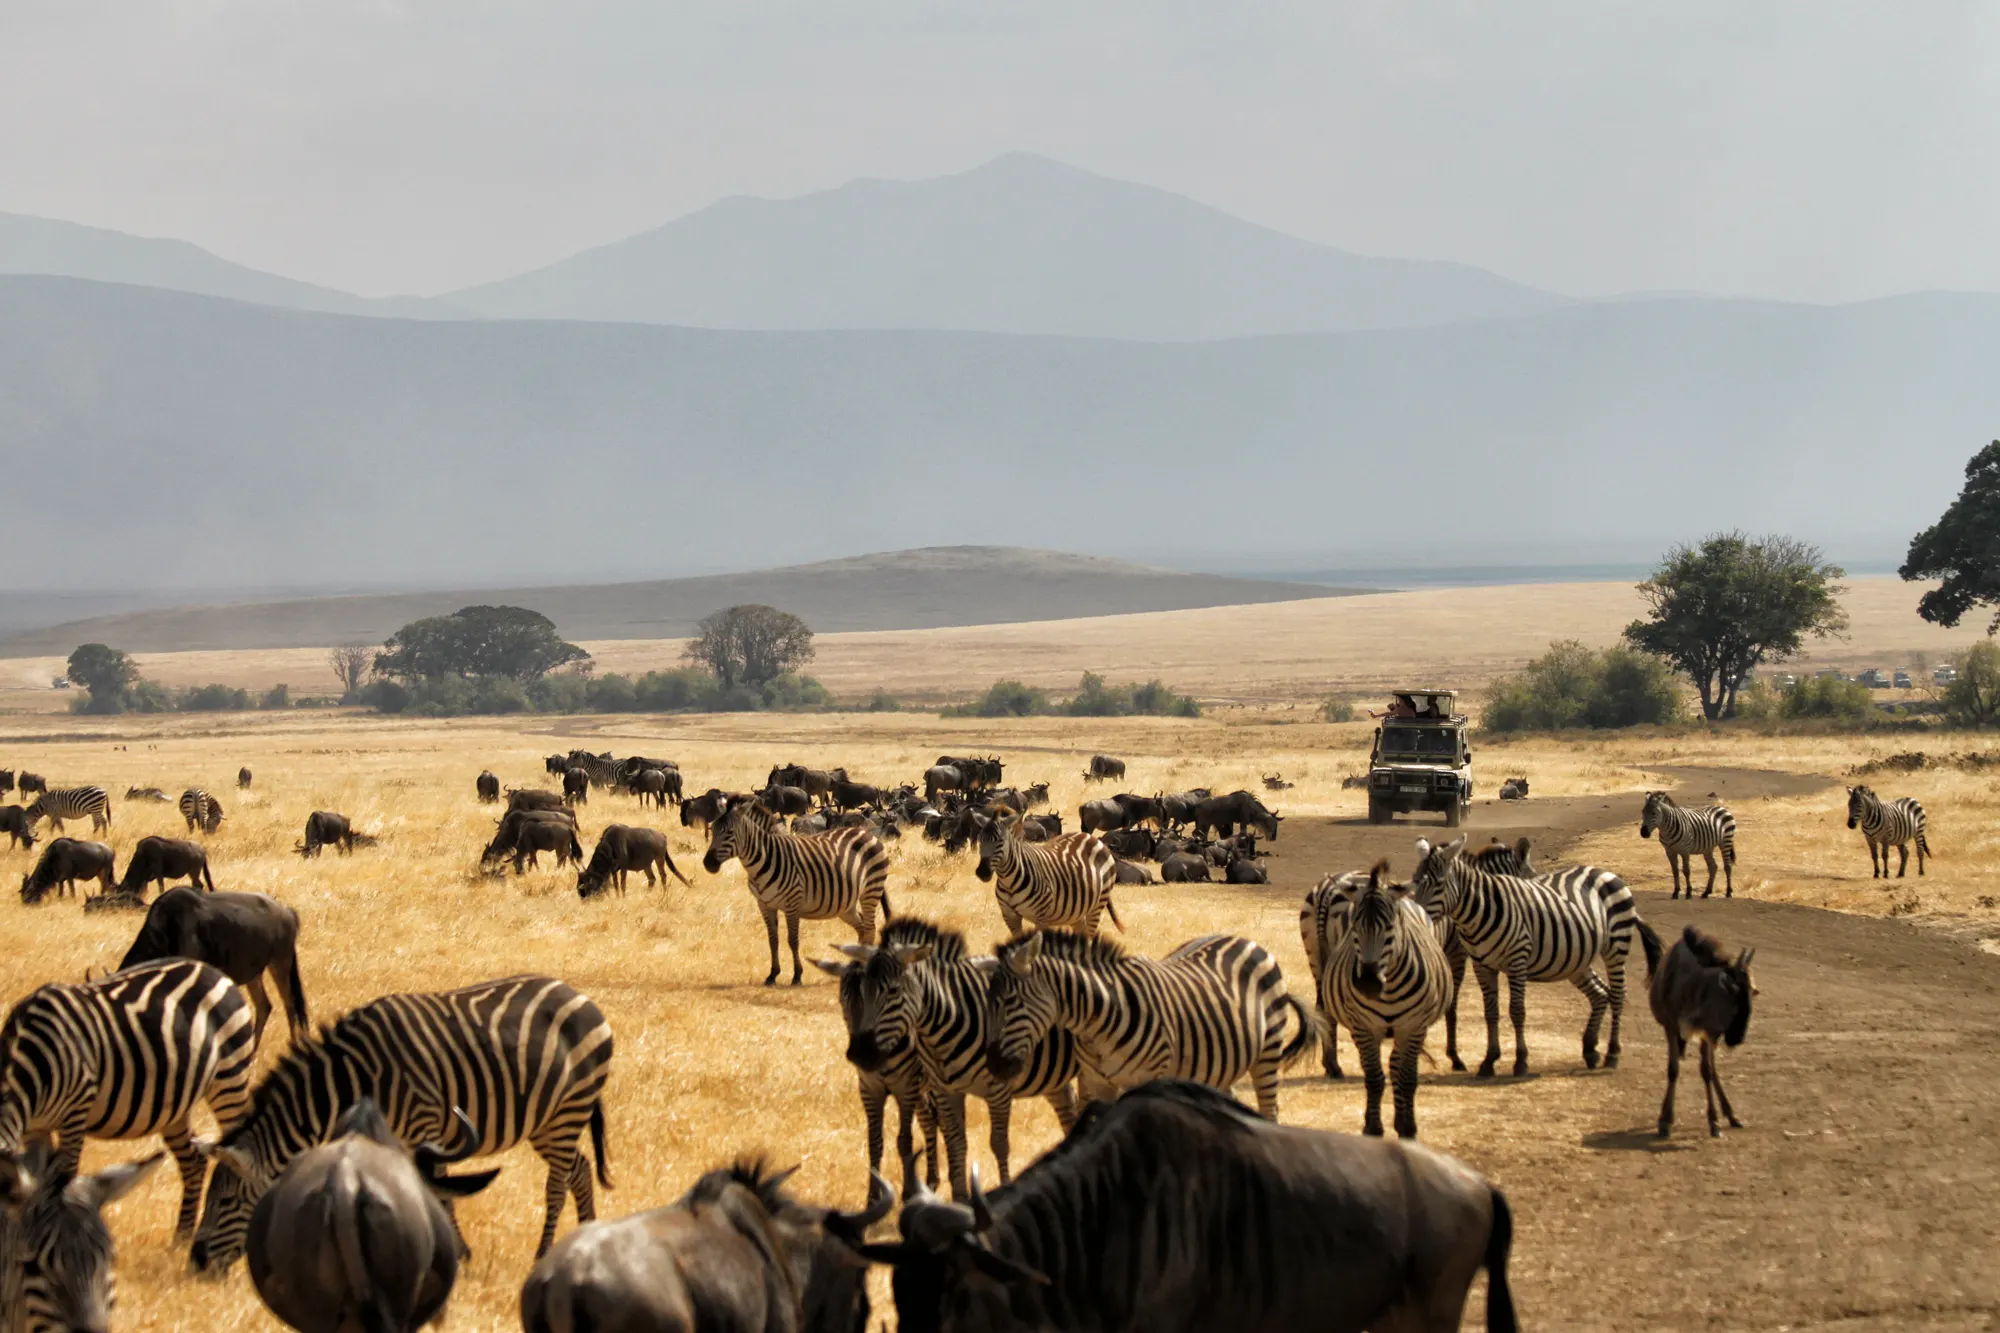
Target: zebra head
(55, 1251)
(1650, 817)
(1375, 925)
(725, 833)
(236, 1183)
(1858, 801)
(1433, 879)
(1020, 1003)
(872, 1000)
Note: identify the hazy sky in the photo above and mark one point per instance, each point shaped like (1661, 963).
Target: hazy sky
(1820, 151)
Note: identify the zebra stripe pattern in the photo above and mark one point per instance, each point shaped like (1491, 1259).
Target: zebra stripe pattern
(1064, 882)
(1213, 1010)
(72, 803)
(1887, 824)
(524, 1060)
(200, 810)
(55, 1251)
(1387, 977)
(1554, 927)
(126, 1057)
(884, 1057)
(1322, 922)
(602, 771)
(939, 994)
(840, 873)
(1701, 830)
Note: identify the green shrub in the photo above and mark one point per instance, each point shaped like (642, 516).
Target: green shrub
(789, 690)
(1973, 699)
(278, 696)
(1004, 698)
(214, 699)
(673, 691)
(561, 692)
(1758, 702)
(1573, 686)
(1827, 697)
(612, 693)
(1337, 708)
(1094, 698)
(385, 695)
(882, 702)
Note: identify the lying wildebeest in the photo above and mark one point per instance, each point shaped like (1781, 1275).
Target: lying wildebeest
(1276, 782)
(146, 794)
(1514, 789)
(1697, 991)
(14, 823)
(55, 1251)
(1134, 842)
(64, 862)
(526, 834)
(1184, 868)
(576, 787)
(157, 860)
(533, 798)
(244, 936)
(620, 849)
(736, 1253)
(355, 1234)
(243, 776)
(1242, 870)
(488, 786)
(785, 800)
(1224, 814)
(1133, 874)
(845, 795)
(1354, 782)
(816, 822)
(325, 828)
(1175, 1209)
(1103, 768)
(704, 809)
(32, 783)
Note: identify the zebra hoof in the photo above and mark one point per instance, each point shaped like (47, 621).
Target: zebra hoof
(1457, 1065)
(1406, 1131)
(1666, 1129)
(1485, 1070)
(1373, 1131)
(1589, 1059)
(771, 980)
(1333, 1071)
(1520, 1069)
(1611, 1060)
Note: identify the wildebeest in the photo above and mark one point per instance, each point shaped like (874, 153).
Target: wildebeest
(1223, 814)
(630, 768)
(941, 778)
(620, 849)
(14, 823)
(55, 1251)
(354, 1234)
(1103, 768)
(1035, 793)
(533, 798)
(244, 936)
(576, 787)
(1241, 869)
(555, 765)
(1276, 782)
(157, 860)
(705, 809)
(785, 800)
(1100, 816)
(735, 1254)
(1175, 1209)
(845, 795)
(487, 785)
(1697, 991)
(243, 777)
(6, 780)
(661, 784)
(526, 834)
(1514, 789)
(1134, 842)
(815, 782)
(33, 782)
(974, 773)
(64, 862)
(1133, 874)
(1184, 868)
(325, 828)
(146, 794)
(1139, 809)
(1177, 808)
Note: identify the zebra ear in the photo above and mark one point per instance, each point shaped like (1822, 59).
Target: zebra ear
(1423, 848)
(860, 953)
(1022, 960)
(987, 965)
(113, 1183)
(832, 969)
(909, 955)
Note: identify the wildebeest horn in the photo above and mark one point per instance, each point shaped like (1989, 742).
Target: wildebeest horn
(432, 1156)
(881, 1198)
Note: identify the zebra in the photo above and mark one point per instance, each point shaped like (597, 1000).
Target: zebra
(1552, 927)
(1322, 922)
(1692, 831)
(72, 803)
(200, 810)
(524, 1058)
(843, 872)
(936, 994)
(128, 1056)
(885, 1062)
(1212, 1011)
(1064, 882)
(55, 1250)
(1387, 976)
(600, 769)
(1888, 824)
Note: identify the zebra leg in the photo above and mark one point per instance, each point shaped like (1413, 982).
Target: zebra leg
(907, 1102)
(1329, 1042)
(562, 1169)
(1708, 856)
(792, 938)
(1729, 870)
(1489, 991)
(1455, 957)
(1063, 1100)
(874, 1101)
(1614, 977)
(1594, 991)
(999, 1117)
(951, 1114)
(1676, 1045)
(580, 1187)
(1409, 1051)
(1903, 859)
(1875, 871)
(1674, 869)
(1517, 1011)
(927, 1121)
(771, 933)
(1715, 1075)
(194, 1172)
(1708, 1083)
(1012, 918)
(1370, 1047)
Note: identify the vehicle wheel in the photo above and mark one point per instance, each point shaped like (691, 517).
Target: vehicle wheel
(1454, 814)
(1379, 811)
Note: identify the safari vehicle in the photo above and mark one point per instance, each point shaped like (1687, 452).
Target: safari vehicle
(1421, 760)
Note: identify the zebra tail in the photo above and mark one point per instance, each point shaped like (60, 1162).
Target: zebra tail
(1112, 909)
(1312, 1028)
(599, 1147)
(1649, 940)
(1924, 844)
(1499, 1295)
(887, 911)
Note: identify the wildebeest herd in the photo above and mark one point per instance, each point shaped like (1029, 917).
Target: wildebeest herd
(343, 1148)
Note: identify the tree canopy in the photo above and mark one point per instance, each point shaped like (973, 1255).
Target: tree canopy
(106, 672)
(751, 644)
(497, 641)
(1572, 686)
(1962, 548)
(1721, 609)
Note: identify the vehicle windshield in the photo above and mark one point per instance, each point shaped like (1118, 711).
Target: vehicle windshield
(1426, 742)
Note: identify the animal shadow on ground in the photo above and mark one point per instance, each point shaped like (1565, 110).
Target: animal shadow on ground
(1643, 1139)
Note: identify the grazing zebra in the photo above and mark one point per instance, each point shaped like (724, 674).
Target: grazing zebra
(843, 872)
(1212, 1011)
(200, 810)
(884, 1056)
(72, 803)
(1700, 831)
(600, 769)
(55, 1251)
(525, 1058)
(1387, 977)
(1888, 824)
(125, 1057)
(1553, 927)
(924, 979)
(1064, 882)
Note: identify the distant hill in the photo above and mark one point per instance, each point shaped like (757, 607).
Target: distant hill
(31, 245)
(896, 590)
(1020, 245)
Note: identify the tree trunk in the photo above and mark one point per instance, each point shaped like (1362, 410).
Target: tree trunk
(1711, 705)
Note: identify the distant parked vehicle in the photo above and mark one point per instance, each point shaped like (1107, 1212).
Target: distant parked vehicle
(1902, 680)
(1786, 680)
(1944, 675)
(1873, 679)
(1828, 673)
(59, 683)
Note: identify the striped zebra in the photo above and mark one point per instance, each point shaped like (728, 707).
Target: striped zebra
(522, 1059)
(884, 1056)
(71, 803)
(125, 1057)
(843, 873)
(1700, 830)
(1553, 927)
(937, 992)
(55, 1251)
(200, 810)
(1387, 977)
(1213, 1010)
(601, 769)
(1064, 882)
(1888, 824)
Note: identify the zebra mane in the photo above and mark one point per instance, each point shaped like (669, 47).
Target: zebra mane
(947, 946)
(1068, 946)
(298, 1064)
(1496, 858)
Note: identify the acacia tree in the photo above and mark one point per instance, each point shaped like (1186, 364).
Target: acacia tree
(1721, 609)
(350, 663)
(750, 644)
(1962, 547)
(509, 641)
(106, 672)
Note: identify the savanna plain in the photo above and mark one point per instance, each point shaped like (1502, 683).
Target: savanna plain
(1861, 1195)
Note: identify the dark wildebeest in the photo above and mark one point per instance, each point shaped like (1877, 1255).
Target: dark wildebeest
(576, 787)
(1176, 1209)
(526, 834)
(14, 823)
(243, 777)
(1133, 874)
(661, 784)
(6, 780)
(55, 1251)
(64, 862)
(488, 786)
(1697, 991)
(1177, 807)
(157, 860)
(814, 782)
(622, 848)
(940, 778)
(1050, 824)
(630, 768)
(533, 798)
(1276, 782)
(735, 1254)
(1103, 768)
(705, 809)
(1354, 782)
(816, 822)
(355, 1234)
(1139, 809)
(325, 828)
(244, 936)
(1514, 789)
(1222, 815)
(555, 765)
(974, 774)
(146, 794)
(1184, 868)
(33, 782)
(845, 795)
(1100, 816)
(1133, 842)
(785, 800)
(1242, 870)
